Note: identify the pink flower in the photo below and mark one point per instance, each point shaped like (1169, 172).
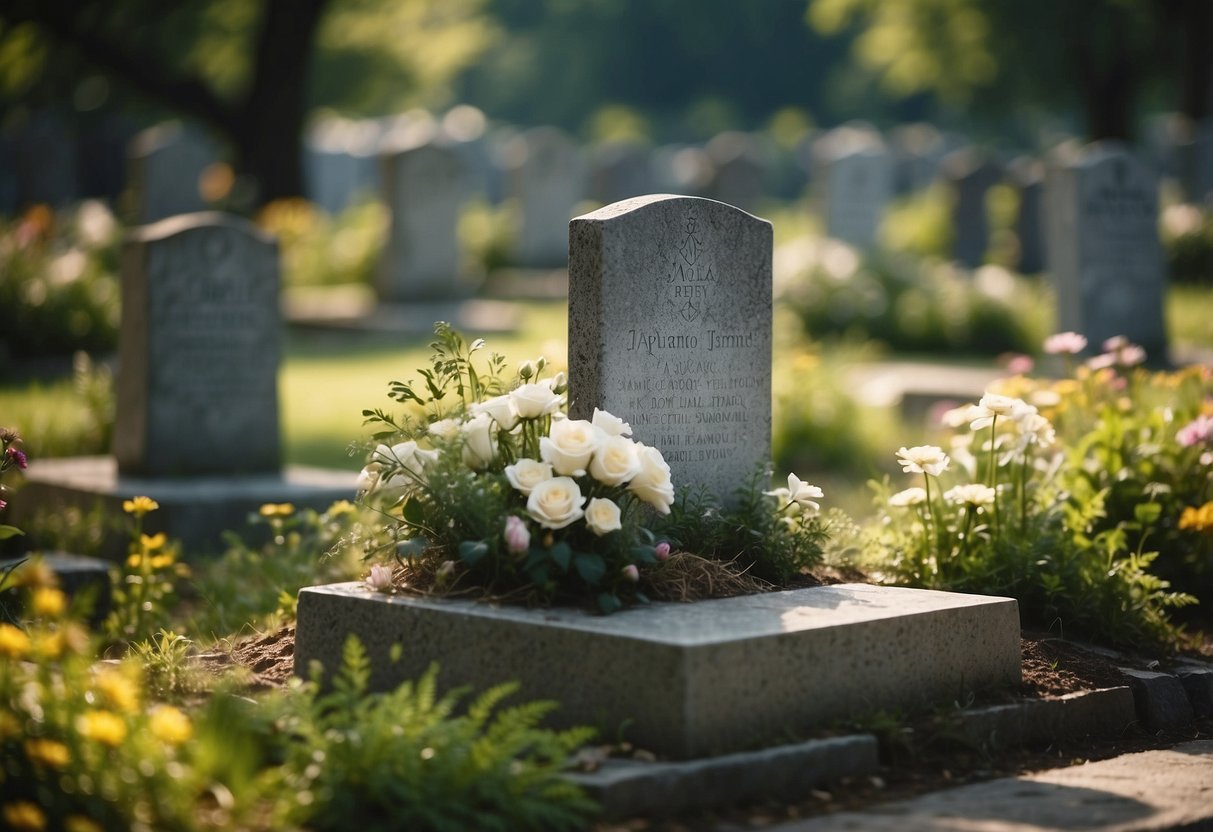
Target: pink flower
(1196, 432)
(1065, 343)
(1116, 342)
(380, 578)
(17, 457)
(1020, 365)
(3, 505)
(631, 573)
(662, 550)
(517, 537)
(1131, 355)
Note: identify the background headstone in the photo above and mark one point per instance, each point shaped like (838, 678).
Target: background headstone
(739, 169)
(620, 170)
(970, 174)
(546, 173)
(424, 187)
(197, 389)
(164, 171)
(1027, 176)
(46, 160)
(1105, 258)
(917, 151)
(853, 182)
(339, 163)
(670, 330)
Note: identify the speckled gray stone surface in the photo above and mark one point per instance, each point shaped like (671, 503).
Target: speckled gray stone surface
(1162, 703)
(1092, 712)
(687, 680)
(670, 329)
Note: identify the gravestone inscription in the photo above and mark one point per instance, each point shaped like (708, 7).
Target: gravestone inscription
(670, 329)
(197, 389)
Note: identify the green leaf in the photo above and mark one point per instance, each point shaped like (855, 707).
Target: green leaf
(1147, 513)
(590, 567)
(471, 551)
(561, 555)
(413, 512)
(609, 603)
(644, 554)
(9, 531)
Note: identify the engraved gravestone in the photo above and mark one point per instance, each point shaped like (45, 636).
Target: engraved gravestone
(1105, 258)
(670, 329)
(854, 183)
(425, 187)
(198, 349)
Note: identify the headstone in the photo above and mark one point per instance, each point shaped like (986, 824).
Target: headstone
(46, 160)
(854, 182)
(1027, 175)
(739, 169)
(1105, 258)
(339, 163)
(684, 169)
(197, 389)
(971, 175)
(620, 170)
(165, 167)
(425, 188)
(546, 173)
(670, 330)
(917, 151)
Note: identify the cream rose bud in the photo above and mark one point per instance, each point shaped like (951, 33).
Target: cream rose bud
(610, 425)
(569, 445)
(380, 578)
(616, 461)
(602, 516)
(652, 483)
(500, 409)
(525, 474)
(368, 478)
(534, 400)
(478, 441)
(556, 503)
(446, 429)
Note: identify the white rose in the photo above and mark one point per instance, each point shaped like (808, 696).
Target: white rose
(446, 429)
(525, 474)
(610, 425)
(534, 400)
(500, 409)
(555, 503)
(602, 516)
(478, 441)
(569, 446)
(404, 457)
(652, 484)
(368, 478)
(616, 461)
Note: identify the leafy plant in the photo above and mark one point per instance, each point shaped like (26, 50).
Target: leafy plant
(144, 592)
(11, 456)
(407, 760)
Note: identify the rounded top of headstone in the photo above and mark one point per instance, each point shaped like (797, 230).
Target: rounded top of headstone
(638, 204)
(201, 220)
(848, 140)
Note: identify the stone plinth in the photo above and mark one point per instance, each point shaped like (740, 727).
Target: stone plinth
(687, 680)
(195, 510)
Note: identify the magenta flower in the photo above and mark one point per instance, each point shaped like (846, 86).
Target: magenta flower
(1065, 343)
(517, 536)
(1196, 432)
(662, 550)
(3, 505)
(18, 457)
(631, 573)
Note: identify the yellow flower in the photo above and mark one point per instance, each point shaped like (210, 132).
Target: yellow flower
(14, 643)
(104, 727)
(341, 508)
(152, 542)
(48, 603)
(139, 506)
(134, 561)
(277, 510)
(24, 816)
(10, 726)
(80, 823)
(48, 753)
(161, 561)
(170, 725)
(118, 689)
(48, 645)
(1197, 519)
(34, 573)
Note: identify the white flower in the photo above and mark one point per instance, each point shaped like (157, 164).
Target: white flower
(1035, 429)
(556, 503)
(616, 461)
(380, 578)
(445, 429)
(910, 497)
(958, 416)
(569, 446)
(973, 494)
(403, 458)
(652, 484)
(610, 425)
(602, 516)
(534, 400)
(368, 478)
(798, 492)
(923, 459)
(525, 474)
(991, 406)
(479, 442)
(500, 408)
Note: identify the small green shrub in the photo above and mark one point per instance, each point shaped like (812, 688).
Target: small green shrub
(318, 250)
(406, 760)
(1187, 240)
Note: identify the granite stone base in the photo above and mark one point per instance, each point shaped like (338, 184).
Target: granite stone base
(687, 680)
(196, 511)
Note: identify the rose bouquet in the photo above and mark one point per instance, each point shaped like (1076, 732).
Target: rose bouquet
(488, 482)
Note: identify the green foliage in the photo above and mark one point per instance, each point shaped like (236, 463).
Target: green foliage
(58, 283)
(165, 658)
(145, 590)
(1187, 240)
(407, 759)
(318, 250)
(911, 304)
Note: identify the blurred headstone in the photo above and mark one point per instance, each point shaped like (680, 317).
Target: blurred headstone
(101, 152)
(853, 183)
(339, 163)
(970, 174)
(917, 151)
(197, 389)
(46, 160)
(620, 170)
(670, 330)
(1027, 176)
(739, 169)
(165, 168)
(425, 187)
(1105, 258)
(547, 174)
(682, 169)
